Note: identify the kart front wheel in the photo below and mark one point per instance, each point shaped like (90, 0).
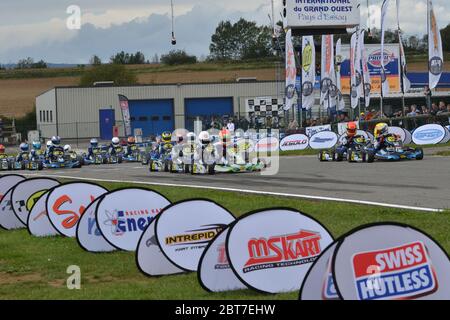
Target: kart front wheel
(321, 156)
(151, 166)
(370, 157)
(186, 168)
(420, 154)
(211, 170)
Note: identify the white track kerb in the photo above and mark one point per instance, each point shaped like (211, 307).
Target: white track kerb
(257, 192)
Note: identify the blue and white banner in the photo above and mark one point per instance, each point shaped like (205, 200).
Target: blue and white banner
(384, 81)
(435, 55)
(308, 72)
(291, 72)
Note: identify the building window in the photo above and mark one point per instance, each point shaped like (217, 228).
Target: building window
(43, 116)
(47, 116)
(51, 116)
(40, 115)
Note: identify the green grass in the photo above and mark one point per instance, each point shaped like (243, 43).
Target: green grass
(443, 153)
(307, 152)
(34, 268)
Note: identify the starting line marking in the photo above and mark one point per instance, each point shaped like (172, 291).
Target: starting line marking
(257, 192)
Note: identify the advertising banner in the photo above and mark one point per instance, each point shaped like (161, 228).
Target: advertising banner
(126, 117)
(323, 140)
(390, 262)
(66, 205)
(7, 182)
(373, 53)
(38, 223)
(310, 131)
(88, 234)
(8, 220)
(321, 14)
(367, 82)
(294, 142)
(271, 251)
(184, 230)
(26, 194)
(436, 62)
(291, 72)
(123, 215)
(429, 134)
(149, 257)
(319, 283)
(308, 72)
(327, 82)
(214, 271)
(399, 132)
(268, 144)
(355, 69)
(384, 81)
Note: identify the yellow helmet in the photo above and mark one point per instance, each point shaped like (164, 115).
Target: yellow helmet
(166, 137)
(380, 129)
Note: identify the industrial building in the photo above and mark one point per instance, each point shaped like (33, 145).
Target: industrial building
(84, 112)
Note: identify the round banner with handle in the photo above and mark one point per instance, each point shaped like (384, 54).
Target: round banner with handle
(323, 140)
(27, 193)
(7, 182)
(8, 219)
(399, 132)
(390, 261)
(38, 223)
(272, 250)
(123, 215)
(294, 142)
(184, 230)
(429, 134)
(67, 203)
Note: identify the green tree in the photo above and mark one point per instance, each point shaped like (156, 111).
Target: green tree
(108, 72)
(177, 57)
(95, 60)
(445, 34)
(128, 58)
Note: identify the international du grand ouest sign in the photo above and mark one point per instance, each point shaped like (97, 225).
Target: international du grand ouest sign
(327, 14)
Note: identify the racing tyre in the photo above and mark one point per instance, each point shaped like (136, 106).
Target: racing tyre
(363, 156)
(186, 168)
(350, 156)
(321, 156)
(40, 166)
(339, 157)
(119, 160)
(151, 166)
(370, 157)
(105, 161)
(22, 166)
(420, 155)
(167, 166)
(211, 170)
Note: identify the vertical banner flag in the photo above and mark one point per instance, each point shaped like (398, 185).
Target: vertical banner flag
(339, 60)
(436, 59)
(384, 81)
(308, 71)
(291, 72)
(367, 82)
(355, 69)
(327, 71)
(125, 108)
(406, 82)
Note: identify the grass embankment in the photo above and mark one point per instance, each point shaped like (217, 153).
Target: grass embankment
(34, 268)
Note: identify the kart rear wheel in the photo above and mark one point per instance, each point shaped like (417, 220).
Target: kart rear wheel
(119, 160)
(363, 156)
(211, 170)
(40, 166)
(339, 157)
(151, 166)
(167, 166)
(321, 156)
(186, 168)
(420, 154)
(350, 156)
(370, 157)
(105, 161)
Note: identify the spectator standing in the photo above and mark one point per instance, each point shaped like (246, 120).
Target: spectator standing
(442, 108)
(413, 112)
(230, 126)
(428, 95)
(434, 109)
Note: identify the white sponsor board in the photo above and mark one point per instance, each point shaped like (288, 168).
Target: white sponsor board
(123, 215)
(8, 219)
(67, 203)
(390, 261)
(7, 182)
(323, 140)
(38, 223)
(184, 230)
(408, 139)
(310, 131)
(272, 250)
(149, 257)
(268, 144)
(328, 15)
(89, 236)
(294, 142)
(429, 134)
(26, 193)
(447, 136)
(399, 132)
(214, 270)
(319, 283)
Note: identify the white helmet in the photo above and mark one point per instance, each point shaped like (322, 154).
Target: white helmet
(67, 148)
(190, 136)
(204, 137)
(115, 140)
(49, 143)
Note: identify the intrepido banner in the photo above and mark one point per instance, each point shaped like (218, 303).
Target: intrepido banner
(214, 270)
(294, 142)
(26, 194)
(318, 283)
(123, 215)
(184, 230)
(66, 205)
(8, 219)
(149, 257)
(89, 236)
(390, 261)
(38, 222)
(272, 250)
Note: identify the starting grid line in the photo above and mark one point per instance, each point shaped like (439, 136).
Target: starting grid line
(256, 192)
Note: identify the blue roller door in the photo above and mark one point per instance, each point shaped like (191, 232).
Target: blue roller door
(152, 116)
(206, 109)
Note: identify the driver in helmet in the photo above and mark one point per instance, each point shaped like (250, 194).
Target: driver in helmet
(93, 148)
(351, 136)
(177, 150)
(36, 149)
(207, 152)
(380, 134)
(114, 147)
(131, 146)
(55, 147)
(3, 154)
(223, 144)
(67, 149)
(48, 145)
(23, 152)
(166, 145)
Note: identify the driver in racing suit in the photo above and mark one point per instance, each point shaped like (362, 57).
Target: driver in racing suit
(166, 145)
(380, 134)
(36, 151)
(55, 147)
(114, 146)
(92, 148)
(351, 137)
(131, 144)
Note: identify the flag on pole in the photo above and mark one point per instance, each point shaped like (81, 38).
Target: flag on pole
(338, 58)
(291, 72)
(355, 69)
(124, 107)
(327, 72)
(367, 82)
(384, 81)
(406, 82)
(308, 71)
(435, 55)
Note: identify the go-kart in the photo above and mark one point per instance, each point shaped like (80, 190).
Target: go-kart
(61, 160)
(21, 164)
(36, 162)
(357, 153)
(394, 151)
(134, 156)
(200, 167)
(5, 163)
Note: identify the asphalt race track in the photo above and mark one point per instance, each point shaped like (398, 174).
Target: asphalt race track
(410, 183)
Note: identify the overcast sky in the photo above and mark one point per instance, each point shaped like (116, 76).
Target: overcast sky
(37, 28)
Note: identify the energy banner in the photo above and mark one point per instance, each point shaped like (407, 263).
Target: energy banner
(373, 52)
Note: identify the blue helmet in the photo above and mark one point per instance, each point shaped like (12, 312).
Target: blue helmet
(56, 141)
(37, 145)
(24, 147)
(94, 143)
